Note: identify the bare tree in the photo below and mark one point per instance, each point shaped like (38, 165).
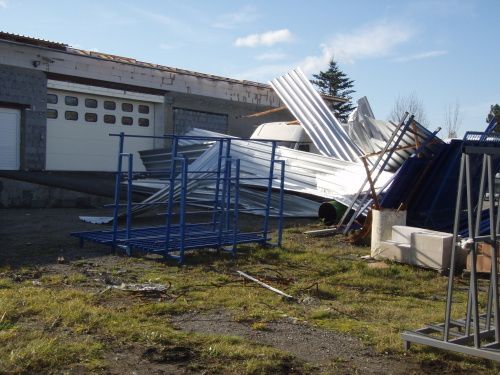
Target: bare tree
(453, 119)
(411, 104)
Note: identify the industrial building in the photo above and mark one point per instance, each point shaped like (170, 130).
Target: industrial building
(59, 104)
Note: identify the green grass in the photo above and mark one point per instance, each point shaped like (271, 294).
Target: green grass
(68, 322)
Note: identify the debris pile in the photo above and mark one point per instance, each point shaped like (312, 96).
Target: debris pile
(350, 169)
(333, 174)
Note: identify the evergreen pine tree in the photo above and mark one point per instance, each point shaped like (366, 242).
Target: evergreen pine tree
(334, 82)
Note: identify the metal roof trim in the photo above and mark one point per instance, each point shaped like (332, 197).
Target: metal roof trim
(32, 41)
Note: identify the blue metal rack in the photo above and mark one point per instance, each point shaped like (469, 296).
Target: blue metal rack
(179, 231)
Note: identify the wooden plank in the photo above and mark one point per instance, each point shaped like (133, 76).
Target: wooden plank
(263, 113)
(372, 187)
(322, 232)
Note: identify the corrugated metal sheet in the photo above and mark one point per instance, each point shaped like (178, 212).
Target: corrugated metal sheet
(293, 205)
(158, 160)
(326, 132)
(371, 136)
(305, 173)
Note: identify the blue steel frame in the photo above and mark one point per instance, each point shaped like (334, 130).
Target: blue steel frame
(222, 230)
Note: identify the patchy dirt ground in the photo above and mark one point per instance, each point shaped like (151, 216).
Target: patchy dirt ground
(35, 245)
(304, 342)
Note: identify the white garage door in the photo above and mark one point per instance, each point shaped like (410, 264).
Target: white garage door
(78, 127)
(9, 138)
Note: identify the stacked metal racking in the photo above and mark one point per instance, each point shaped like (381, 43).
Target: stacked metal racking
(183, 230)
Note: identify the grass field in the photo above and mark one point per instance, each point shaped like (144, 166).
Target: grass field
(67, 317)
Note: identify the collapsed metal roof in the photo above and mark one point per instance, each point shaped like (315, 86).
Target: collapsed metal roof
(295, 90)
(306, 173)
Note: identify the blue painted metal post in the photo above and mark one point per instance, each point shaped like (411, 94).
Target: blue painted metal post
(269, 191)
(117, 188)
(228, 195)
(228, 184)
(170, 200)
(282, 199)
(225, 189)
(182, 218)
(129, 197)
(236, 205)
(217, 185)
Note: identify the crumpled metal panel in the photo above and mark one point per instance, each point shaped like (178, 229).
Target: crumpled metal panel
(371, 135)
(325, 131)
(305, 173)
(293, 205)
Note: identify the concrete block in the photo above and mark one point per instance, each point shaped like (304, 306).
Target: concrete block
(431, 249)
(420, 247)
(382, 223)
(396, 251)
(402, 233)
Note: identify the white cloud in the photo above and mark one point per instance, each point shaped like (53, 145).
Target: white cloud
(3, 4)
(269, 38)
(420, 56)
(247, 14)
(271, 56)
(370, 41)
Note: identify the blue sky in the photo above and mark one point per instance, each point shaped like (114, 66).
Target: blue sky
(442, 51)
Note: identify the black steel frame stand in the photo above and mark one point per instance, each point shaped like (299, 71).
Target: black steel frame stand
(478, 334)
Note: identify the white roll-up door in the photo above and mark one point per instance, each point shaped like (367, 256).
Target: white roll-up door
(78, 127)
(10, 134)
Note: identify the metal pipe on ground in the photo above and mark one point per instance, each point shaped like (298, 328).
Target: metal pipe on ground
(330, 212)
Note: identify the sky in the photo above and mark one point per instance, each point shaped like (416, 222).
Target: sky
(443, 52)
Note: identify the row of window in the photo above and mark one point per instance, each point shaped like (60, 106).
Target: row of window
(92, 117)
(92, 103)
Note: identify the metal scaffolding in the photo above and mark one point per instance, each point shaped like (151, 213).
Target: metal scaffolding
(182, 230)
(478, 333)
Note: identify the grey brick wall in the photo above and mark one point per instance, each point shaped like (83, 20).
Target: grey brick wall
(27, 89)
